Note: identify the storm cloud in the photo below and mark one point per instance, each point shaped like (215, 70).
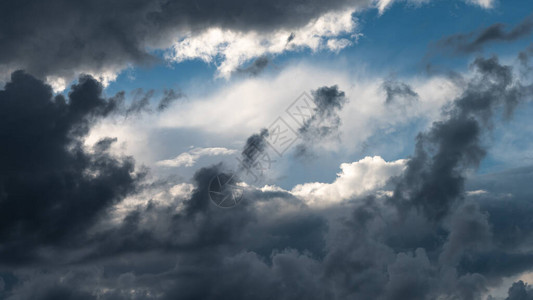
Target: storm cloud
(417, 243)
(52, 187)
(81, 221)
(100, 37)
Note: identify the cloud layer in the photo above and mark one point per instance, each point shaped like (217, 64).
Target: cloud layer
(102, 39)
(408, 243)
(92, 207)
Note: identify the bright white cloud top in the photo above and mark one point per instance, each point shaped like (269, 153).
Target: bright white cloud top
(231, 49)
(189, 158)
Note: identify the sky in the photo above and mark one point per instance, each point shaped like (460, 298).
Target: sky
(231, 149)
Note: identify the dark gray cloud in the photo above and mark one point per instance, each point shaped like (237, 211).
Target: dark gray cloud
(255, 68)
(476, 40)
(221, 253)
(99, 36)
(524, 57)
(434, 178)
(254, 147)
(325, 120)
(520, 291)
(396, 89)
(507, 200)
(51, 188)
(291, 37)
(140, 102)
(428, 239)
(169, 97)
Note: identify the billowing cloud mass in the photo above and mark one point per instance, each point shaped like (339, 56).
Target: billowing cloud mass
(356, 179)
(520, 290)
(406, 229)
(52, 188)
(103, 197)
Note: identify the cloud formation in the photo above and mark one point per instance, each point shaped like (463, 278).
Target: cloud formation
(51, 187)
(434, 177)
(124, 33)
(189, 158)
(395, 89)
(102, 39)
(324, 121)
(356, 179)
(414, 243)
(256, 67)
(78, 221)
(236, 48)
(475, 41)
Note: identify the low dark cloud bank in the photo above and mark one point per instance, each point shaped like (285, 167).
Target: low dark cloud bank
(63, 37)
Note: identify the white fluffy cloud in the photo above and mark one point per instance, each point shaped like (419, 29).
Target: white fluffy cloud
(236, 48)
(355, 179)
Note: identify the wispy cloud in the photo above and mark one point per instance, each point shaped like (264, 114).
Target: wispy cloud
(496, 33)
(189, 158)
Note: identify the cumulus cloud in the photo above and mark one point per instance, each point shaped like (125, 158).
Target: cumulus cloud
(51, 186)
(355, 180)
(520, 290)
(412, 243)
